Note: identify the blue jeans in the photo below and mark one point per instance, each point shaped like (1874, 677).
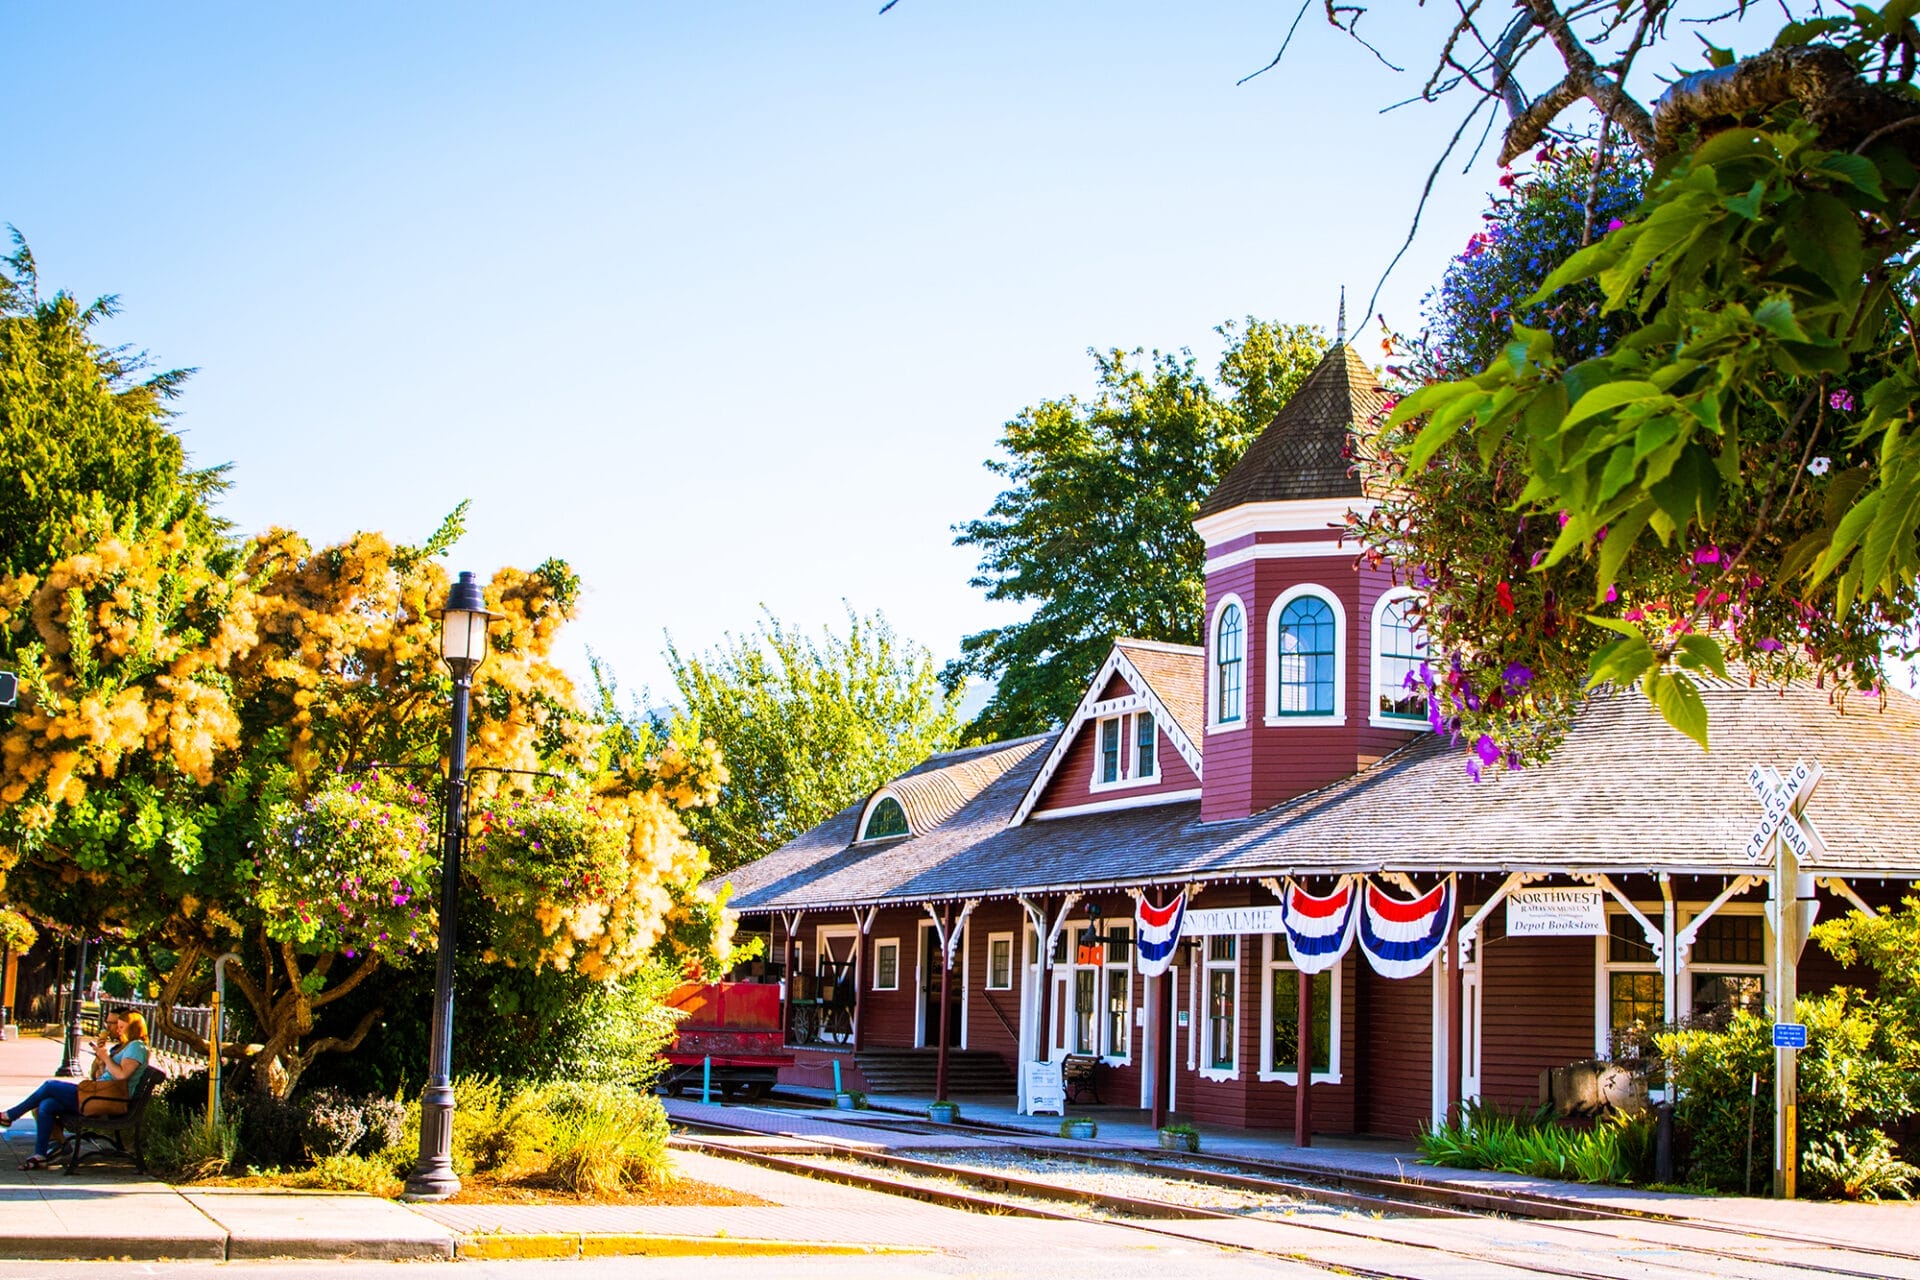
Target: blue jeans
(49, 1103)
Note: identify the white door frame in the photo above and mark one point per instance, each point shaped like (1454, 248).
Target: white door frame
(965, 965)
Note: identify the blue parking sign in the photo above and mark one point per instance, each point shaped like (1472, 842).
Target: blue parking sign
(1789, 1035)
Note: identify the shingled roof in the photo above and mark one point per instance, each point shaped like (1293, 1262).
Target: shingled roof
(1178, 674)
(1624, 793)
(941, 785)
(1303, 452)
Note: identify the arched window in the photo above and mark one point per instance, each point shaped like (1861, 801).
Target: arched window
(885, 820)
(1399, 647)
(1307, 657)
(1230, 666)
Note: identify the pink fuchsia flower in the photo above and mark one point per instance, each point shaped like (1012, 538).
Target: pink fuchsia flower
(1564, 517)
(1767, 644)
(1841, 400)
(1614, 224)
(1612, 595)
(1707, 555)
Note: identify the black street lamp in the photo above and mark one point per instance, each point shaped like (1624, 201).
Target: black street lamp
(73, 1059)
(463, 644)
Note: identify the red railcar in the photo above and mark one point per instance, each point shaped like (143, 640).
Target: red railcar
(737, 1026)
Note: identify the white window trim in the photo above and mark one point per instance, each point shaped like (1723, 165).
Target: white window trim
(1205, 968)
(1064, 973)
(1274, 959)
(1683, 993)
(866, 816)
(1374, 717)
(1013, 960)
(1214, 723)
(877, 944)
(1274, 719)
(1604, 969)
(1108, 969)
(1128, 723)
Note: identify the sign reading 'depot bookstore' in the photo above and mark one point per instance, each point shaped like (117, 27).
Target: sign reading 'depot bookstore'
(1556, 913)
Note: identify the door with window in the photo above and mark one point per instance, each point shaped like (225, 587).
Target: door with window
(930, 991)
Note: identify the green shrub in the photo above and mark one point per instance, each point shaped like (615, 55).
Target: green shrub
(605, 1139)
(270, 1132)
(1856, 1167)
(386, 1120)
(1857, 1074)
(1617, 1149)
(179, 1147)
(331, 1123)
(344, 1172)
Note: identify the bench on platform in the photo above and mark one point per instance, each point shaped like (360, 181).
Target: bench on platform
(1077, 1076)
(104, 1132)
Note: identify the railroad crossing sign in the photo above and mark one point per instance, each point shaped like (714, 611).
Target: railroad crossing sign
(1783, 802)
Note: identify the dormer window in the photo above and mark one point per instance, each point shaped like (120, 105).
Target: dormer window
(886, 820)
(1307, 655)
(1126, 750)
(1110, 749)
(1230, 665)
(1399, 649)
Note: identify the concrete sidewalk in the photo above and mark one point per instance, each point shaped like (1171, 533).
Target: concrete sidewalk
(109, 1210)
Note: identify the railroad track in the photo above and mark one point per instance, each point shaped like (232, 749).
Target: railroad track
(988, 1191)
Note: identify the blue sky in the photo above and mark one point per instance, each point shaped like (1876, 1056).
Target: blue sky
(725, 303)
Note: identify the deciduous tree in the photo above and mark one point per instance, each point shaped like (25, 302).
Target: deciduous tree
(806, 726)
(1096, 524)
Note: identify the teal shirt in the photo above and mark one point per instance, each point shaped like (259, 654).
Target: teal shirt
(137, 1050)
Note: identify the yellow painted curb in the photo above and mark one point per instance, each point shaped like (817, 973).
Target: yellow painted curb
(519, 1246)
(503, 1245)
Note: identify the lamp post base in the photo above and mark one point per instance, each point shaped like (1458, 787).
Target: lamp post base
(75, 1066)
(433, 1178)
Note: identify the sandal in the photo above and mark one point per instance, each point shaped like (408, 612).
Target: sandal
(33, 1162)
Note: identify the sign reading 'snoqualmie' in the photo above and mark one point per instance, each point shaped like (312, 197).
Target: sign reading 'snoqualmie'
(1556, 913)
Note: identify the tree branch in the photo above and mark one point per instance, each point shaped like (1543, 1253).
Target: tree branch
(353, 980)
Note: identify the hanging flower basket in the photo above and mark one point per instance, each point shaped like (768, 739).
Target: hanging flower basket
(553, 865)
(352, 868)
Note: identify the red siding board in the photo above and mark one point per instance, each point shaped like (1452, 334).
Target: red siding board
(1536, 1012)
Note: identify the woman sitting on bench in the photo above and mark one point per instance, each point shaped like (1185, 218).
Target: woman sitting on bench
(120, 1053)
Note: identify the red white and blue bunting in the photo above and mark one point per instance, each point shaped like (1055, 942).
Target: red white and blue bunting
(1156, 933)
(1319, 930)
(1402, 937)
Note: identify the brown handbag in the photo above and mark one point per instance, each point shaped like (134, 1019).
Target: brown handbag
(103, 1097)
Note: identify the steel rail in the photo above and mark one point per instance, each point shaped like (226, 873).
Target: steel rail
(1178, 1170)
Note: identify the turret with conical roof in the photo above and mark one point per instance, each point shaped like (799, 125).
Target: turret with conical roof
(1306, 646)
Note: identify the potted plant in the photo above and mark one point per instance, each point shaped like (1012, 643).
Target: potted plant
(1080, 1127)
(850, 1100)
(1180, 1136)
(943, 1112)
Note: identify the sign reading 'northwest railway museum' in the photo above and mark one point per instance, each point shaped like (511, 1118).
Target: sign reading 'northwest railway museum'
(1556, 913)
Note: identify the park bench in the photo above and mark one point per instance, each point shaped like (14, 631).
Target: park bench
(104, 1132)
(1076, 1076)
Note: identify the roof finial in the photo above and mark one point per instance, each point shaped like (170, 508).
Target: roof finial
(1340, 329)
